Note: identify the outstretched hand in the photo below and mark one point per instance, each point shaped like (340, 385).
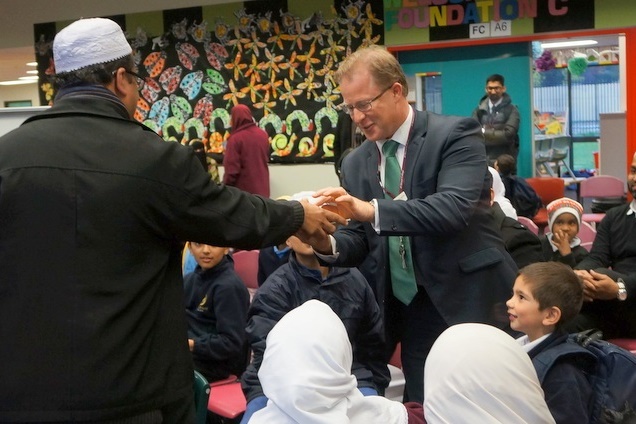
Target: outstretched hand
(318, 224)
(346, 205)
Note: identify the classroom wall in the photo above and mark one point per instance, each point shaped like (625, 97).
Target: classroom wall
(19, 92)
(464, 72)
(284, 180)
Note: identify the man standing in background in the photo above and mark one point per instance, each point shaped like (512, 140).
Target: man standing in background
(499, 119)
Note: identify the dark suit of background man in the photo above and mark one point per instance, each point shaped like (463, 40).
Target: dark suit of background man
(93, 209)
(462, 269)
(499, 119)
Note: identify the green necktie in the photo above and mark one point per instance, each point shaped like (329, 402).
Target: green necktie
(400, 260)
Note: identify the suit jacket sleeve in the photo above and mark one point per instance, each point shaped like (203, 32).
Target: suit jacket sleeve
(453, 162)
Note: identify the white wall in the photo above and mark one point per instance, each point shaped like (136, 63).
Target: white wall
(285, 180)
(19, 92)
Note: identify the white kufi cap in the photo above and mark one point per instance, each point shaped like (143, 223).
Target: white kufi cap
(89, 42)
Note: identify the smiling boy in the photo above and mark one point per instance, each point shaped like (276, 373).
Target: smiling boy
(546, 295)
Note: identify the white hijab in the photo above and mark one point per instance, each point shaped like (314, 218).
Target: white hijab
(500, 194)
(476, 373)
(306, 374)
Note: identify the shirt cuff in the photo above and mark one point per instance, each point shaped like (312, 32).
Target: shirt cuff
(376, 220)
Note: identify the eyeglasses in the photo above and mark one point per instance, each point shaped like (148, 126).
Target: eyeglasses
(141, 81)
(362, 106)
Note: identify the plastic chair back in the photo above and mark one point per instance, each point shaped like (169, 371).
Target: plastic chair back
(587, 233)
(529, 224)
(602, 186)
(548, 189)
(246, 266)
(201, 397)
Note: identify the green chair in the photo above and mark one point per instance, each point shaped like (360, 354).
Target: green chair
(201, 397)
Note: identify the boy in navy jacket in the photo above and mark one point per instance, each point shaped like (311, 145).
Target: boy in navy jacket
(216, 302)
(348, 294)
(547, 295)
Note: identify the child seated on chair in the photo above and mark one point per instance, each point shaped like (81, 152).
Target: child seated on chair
(270, 258)
(345, 290)
(216, 302)
(561, 243)
(546, 296)
(522, 196)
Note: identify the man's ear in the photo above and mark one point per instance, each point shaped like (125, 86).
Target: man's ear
(551, 316)
(122, 83)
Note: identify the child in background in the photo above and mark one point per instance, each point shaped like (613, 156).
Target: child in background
(546, 296)
(216, 302)
(561, 243)
(522, 196)
(523, 245)
(270, 258)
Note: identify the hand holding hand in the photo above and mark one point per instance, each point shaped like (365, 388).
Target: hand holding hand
(318, 224)
(347, 205)
(605, 287)
(589, 287)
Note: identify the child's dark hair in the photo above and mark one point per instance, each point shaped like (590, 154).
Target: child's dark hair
(506, 165)
(555, 284)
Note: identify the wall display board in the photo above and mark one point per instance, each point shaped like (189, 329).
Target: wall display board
(202, 61)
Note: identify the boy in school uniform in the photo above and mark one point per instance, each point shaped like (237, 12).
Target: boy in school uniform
(216, 302)
(348, 294)
(546, 296)
(561, 243)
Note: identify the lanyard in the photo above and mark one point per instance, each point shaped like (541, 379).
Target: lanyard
(403, 165)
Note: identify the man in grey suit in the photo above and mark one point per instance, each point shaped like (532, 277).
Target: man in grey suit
(439, 213)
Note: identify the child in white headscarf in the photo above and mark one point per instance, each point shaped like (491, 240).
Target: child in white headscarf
(500, 194)
(476, 373)
(306, 374)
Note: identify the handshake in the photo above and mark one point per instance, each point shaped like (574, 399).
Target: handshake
(327, 208)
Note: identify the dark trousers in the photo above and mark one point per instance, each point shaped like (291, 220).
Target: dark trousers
(416, 326)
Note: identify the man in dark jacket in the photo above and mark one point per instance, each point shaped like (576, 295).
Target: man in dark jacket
(93, 210)
(609, 272)
(499, 119)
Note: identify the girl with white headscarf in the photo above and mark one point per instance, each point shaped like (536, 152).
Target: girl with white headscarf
(306, 374)
(500, 194)
(476, 373)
